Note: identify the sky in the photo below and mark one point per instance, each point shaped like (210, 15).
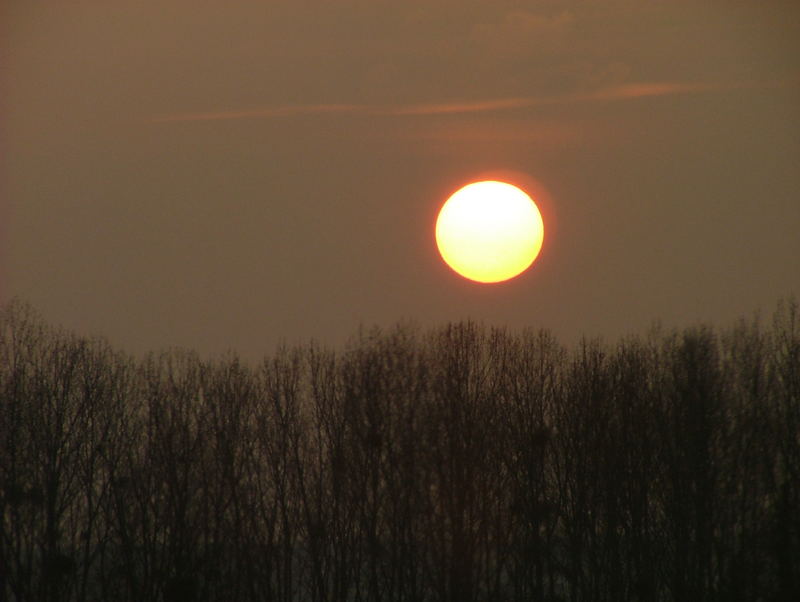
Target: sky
(237, 175)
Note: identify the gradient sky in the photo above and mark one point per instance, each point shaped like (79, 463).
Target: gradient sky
(228, 175)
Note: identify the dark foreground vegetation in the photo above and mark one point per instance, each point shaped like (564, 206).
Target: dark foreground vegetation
(462, 464)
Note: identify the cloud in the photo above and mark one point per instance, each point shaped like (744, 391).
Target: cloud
(497, 104)
(262, 113)
(622, 92)
(652, 89)
(643, 90)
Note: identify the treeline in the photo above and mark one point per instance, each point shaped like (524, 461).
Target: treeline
(461, 464)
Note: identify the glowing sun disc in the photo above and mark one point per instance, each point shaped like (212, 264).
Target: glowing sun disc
(489, 231)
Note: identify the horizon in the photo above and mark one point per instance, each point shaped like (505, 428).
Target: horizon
(761, 321)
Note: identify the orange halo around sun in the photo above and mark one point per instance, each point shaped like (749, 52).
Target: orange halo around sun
(489, 231)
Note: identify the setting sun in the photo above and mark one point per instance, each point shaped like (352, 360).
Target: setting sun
(489, 231)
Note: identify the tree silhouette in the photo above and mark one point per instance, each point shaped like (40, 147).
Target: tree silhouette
(458, 463)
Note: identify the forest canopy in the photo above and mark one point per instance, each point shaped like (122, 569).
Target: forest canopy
(460, 463)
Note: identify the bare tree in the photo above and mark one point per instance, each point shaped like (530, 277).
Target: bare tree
(462, 463)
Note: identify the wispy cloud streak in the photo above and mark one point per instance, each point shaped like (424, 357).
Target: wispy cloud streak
(498, 104)
(622, 92)
(644, 90)
(263, 113)
(325, 109)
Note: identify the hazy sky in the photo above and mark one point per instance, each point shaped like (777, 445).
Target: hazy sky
(225, 175)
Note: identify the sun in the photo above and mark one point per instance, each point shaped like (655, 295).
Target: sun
(489, 231)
